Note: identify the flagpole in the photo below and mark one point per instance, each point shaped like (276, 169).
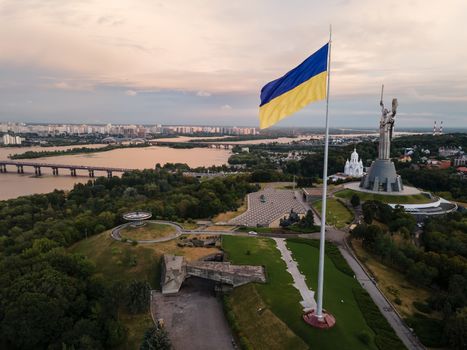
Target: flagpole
(319, 306)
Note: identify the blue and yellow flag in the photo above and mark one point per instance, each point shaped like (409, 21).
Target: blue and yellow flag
(304, 84)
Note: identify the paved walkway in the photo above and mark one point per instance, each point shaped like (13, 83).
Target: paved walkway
(308, 302)
(267, 206)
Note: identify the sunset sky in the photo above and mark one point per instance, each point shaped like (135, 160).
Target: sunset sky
(204, 62)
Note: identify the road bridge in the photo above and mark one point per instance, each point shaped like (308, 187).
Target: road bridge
(37, 166)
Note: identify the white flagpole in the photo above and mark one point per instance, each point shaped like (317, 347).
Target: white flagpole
(319, 306)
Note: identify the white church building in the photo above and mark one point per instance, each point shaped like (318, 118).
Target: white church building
(354, 167)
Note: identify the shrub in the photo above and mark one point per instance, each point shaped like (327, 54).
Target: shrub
(156, 338)
(364, 337)
(422, 307)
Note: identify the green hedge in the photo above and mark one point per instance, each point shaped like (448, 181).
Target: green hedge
(331, 251)
(386, 338)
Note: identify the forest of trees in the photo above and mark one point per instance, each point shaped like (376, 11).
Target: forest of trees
(439, 264)
(50, 298)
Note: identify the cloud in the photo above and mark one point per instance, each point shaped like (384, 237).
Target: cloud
(160, 46)
(131, 93)
(203, 93)
(226, 107)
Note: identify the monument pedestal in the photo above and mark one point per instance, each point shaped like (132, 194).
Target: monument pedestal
(324, 322)
(382, 177)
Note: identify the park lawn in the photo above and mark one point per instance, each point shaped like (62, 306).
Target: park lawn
(413, 199)
(337, 214)
(392, 283)
(283, 299)
(247, 311)
(338, 287)
(147, 232)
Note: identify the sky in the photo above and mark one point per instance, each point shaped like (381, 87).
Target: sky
(203, 62)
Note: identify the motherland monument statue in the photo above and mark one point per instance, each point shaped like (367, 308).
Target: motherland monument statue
(382, 175)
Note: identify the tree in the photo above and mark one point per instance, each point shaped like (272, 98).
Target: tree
(156, 338)
(137, 297)
(355, 200)
(422, 274)
(369, 212)
(308, 220)
(456, 329)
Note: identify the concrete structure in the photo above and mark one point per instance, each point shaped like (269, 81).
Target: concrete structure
(267, 207)
(175, 269)
(137, 218)
(354, 167)
(312, 194)
(55, 168)
(382, 177)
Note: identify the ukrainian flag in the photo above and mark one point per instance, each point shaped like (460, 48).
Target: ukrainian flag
(304, 84)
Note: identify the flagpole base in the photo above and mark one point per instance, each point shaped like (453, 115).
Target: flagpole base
(326, 321)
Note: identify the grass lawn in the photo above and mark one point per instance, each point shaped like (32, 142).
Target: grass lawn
(282, 299)
(414, 198)
(243, 306)
(336, 213)
(392, 283)
(148, 231)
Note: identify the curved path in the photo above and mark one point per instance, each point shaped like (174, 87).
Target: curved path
(115, 234)
(179, 230)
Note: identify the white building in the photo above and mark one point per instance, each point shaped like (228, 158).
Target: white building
(354, 167)
(11, 140)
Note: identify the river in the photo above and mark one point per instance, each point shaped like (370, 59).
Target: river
(13, 185)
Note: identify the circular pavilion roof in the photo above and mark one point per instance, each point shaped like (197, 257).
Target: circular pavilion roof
(137, 216)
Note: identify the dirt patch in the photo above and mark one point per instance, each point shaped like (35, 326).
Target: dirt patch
(194, 317)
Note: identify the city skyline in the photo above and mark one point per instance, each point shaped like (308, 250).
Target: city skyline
(84, 62)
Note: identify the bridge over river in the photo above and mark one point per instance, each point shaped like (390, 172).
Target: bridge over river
(55, 168)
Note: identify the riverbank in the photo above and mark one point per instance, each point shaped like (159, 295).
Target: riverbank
(71, 151)
(13, 185)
